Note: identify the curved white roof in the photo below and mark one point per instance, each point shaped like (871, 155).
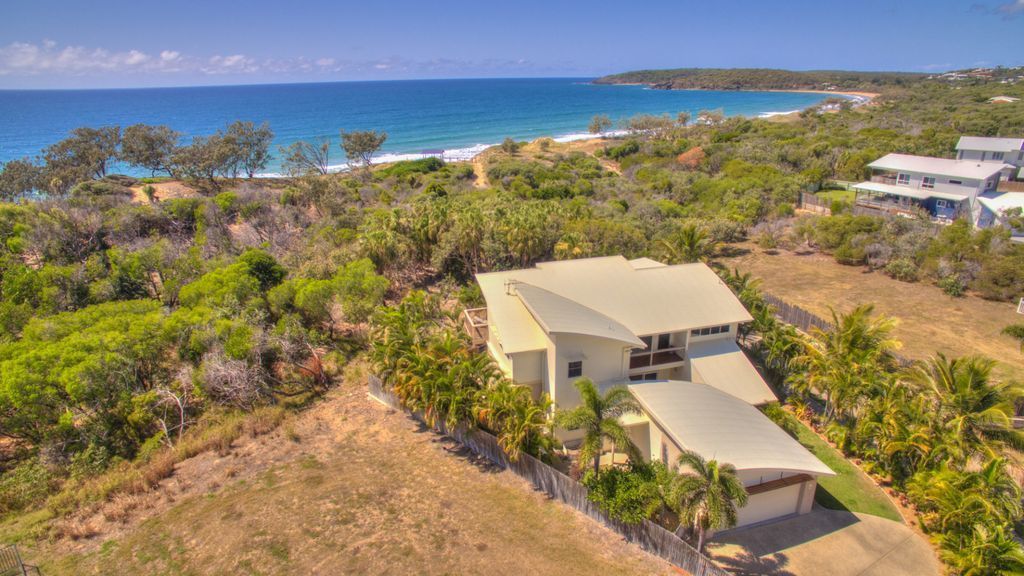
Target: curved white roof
(722, 427)
(557, 314)
(640, 295)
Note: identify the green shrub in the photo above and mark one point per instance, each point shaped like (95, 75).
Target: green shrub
(406, 168)
(227, 201)
(628, 495)
(902, 269)
(783, 419)
(953, 285)
(619, 152)
(25, 486)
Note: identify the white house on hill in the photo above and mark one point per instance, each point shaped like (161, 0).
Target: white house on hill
(944, 188)
(669, 334)
(999, 150)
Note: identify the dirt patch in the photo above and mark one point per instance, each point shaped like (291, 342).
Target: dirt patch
(348, 487)
(164, 191)
(929, 320)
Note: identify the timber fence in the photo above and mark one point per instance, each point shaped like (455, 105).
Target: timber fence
(805, 321)
(648, 535)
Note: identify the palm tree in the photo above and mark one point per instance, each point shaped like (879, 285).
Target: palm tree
(966, 403)
(849, 360)
(708, 495)
(598, 417)
(986, 550)
(520, 423)
(688, 244)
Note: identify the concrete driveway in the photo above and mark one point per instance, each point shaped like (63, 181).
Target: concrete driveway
(832, 542)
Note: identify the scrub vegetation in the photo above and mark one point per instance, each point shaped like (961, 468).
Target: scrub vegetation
(146, 323)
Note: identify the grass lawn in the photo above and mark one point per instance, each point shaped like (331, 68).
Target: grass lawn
(351, 488)
(850, 489)
(929, 320)
(847, 196)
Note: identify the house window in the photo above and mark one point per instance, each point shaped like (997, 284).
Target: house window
(940, 203)
(664, 453)
(957, 182)
(575, 368)
(928, 182)
(649, 377)
(664, 341)
(903, 179)
(988, 184)
(709, 331)
(997, 155)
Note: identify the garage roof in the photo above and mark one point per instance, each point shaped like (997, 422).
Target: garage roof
(722, 427)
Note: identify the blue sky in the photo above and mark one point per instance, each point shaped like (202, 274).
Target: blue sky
(119, 43)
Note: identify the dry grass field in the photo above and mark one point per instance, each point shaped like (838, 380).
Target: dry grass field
(348, 487)
(929, 320)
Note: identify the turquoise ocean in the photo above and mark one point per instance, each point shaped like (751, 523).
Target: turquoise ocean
(459, 116)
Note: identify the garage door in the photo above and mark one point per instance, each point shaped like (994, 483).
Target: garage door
(770, 505)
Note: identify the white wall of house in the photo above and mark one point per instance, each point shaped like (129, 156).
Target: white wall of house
(603, 360)
(965, 186)
(527, 367)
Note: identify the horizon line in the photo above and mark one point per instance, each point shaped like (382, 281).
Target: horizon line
(448, 78)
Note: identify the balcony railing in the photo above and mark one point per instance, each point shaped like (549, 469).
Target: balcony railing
(657, 358)
(474, 321)
(884, 178)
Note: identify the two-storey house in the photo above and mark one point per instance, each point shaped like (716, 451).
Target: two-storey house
(999, 150)
(944, 188)
(668, 333)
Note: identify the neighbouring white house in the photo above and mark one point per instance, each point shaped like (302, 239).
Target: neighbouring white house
(999, 208)
(999, 150)
(944, 188)
(669, 334)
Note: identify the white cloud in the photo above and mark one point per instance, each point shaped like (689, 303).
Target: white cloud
(52, 61)
(1012, 8)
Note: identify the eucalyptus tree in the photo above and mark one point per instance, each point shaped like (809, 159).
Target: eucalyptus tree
(149, 147)
(361, 145)
(303, 158)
